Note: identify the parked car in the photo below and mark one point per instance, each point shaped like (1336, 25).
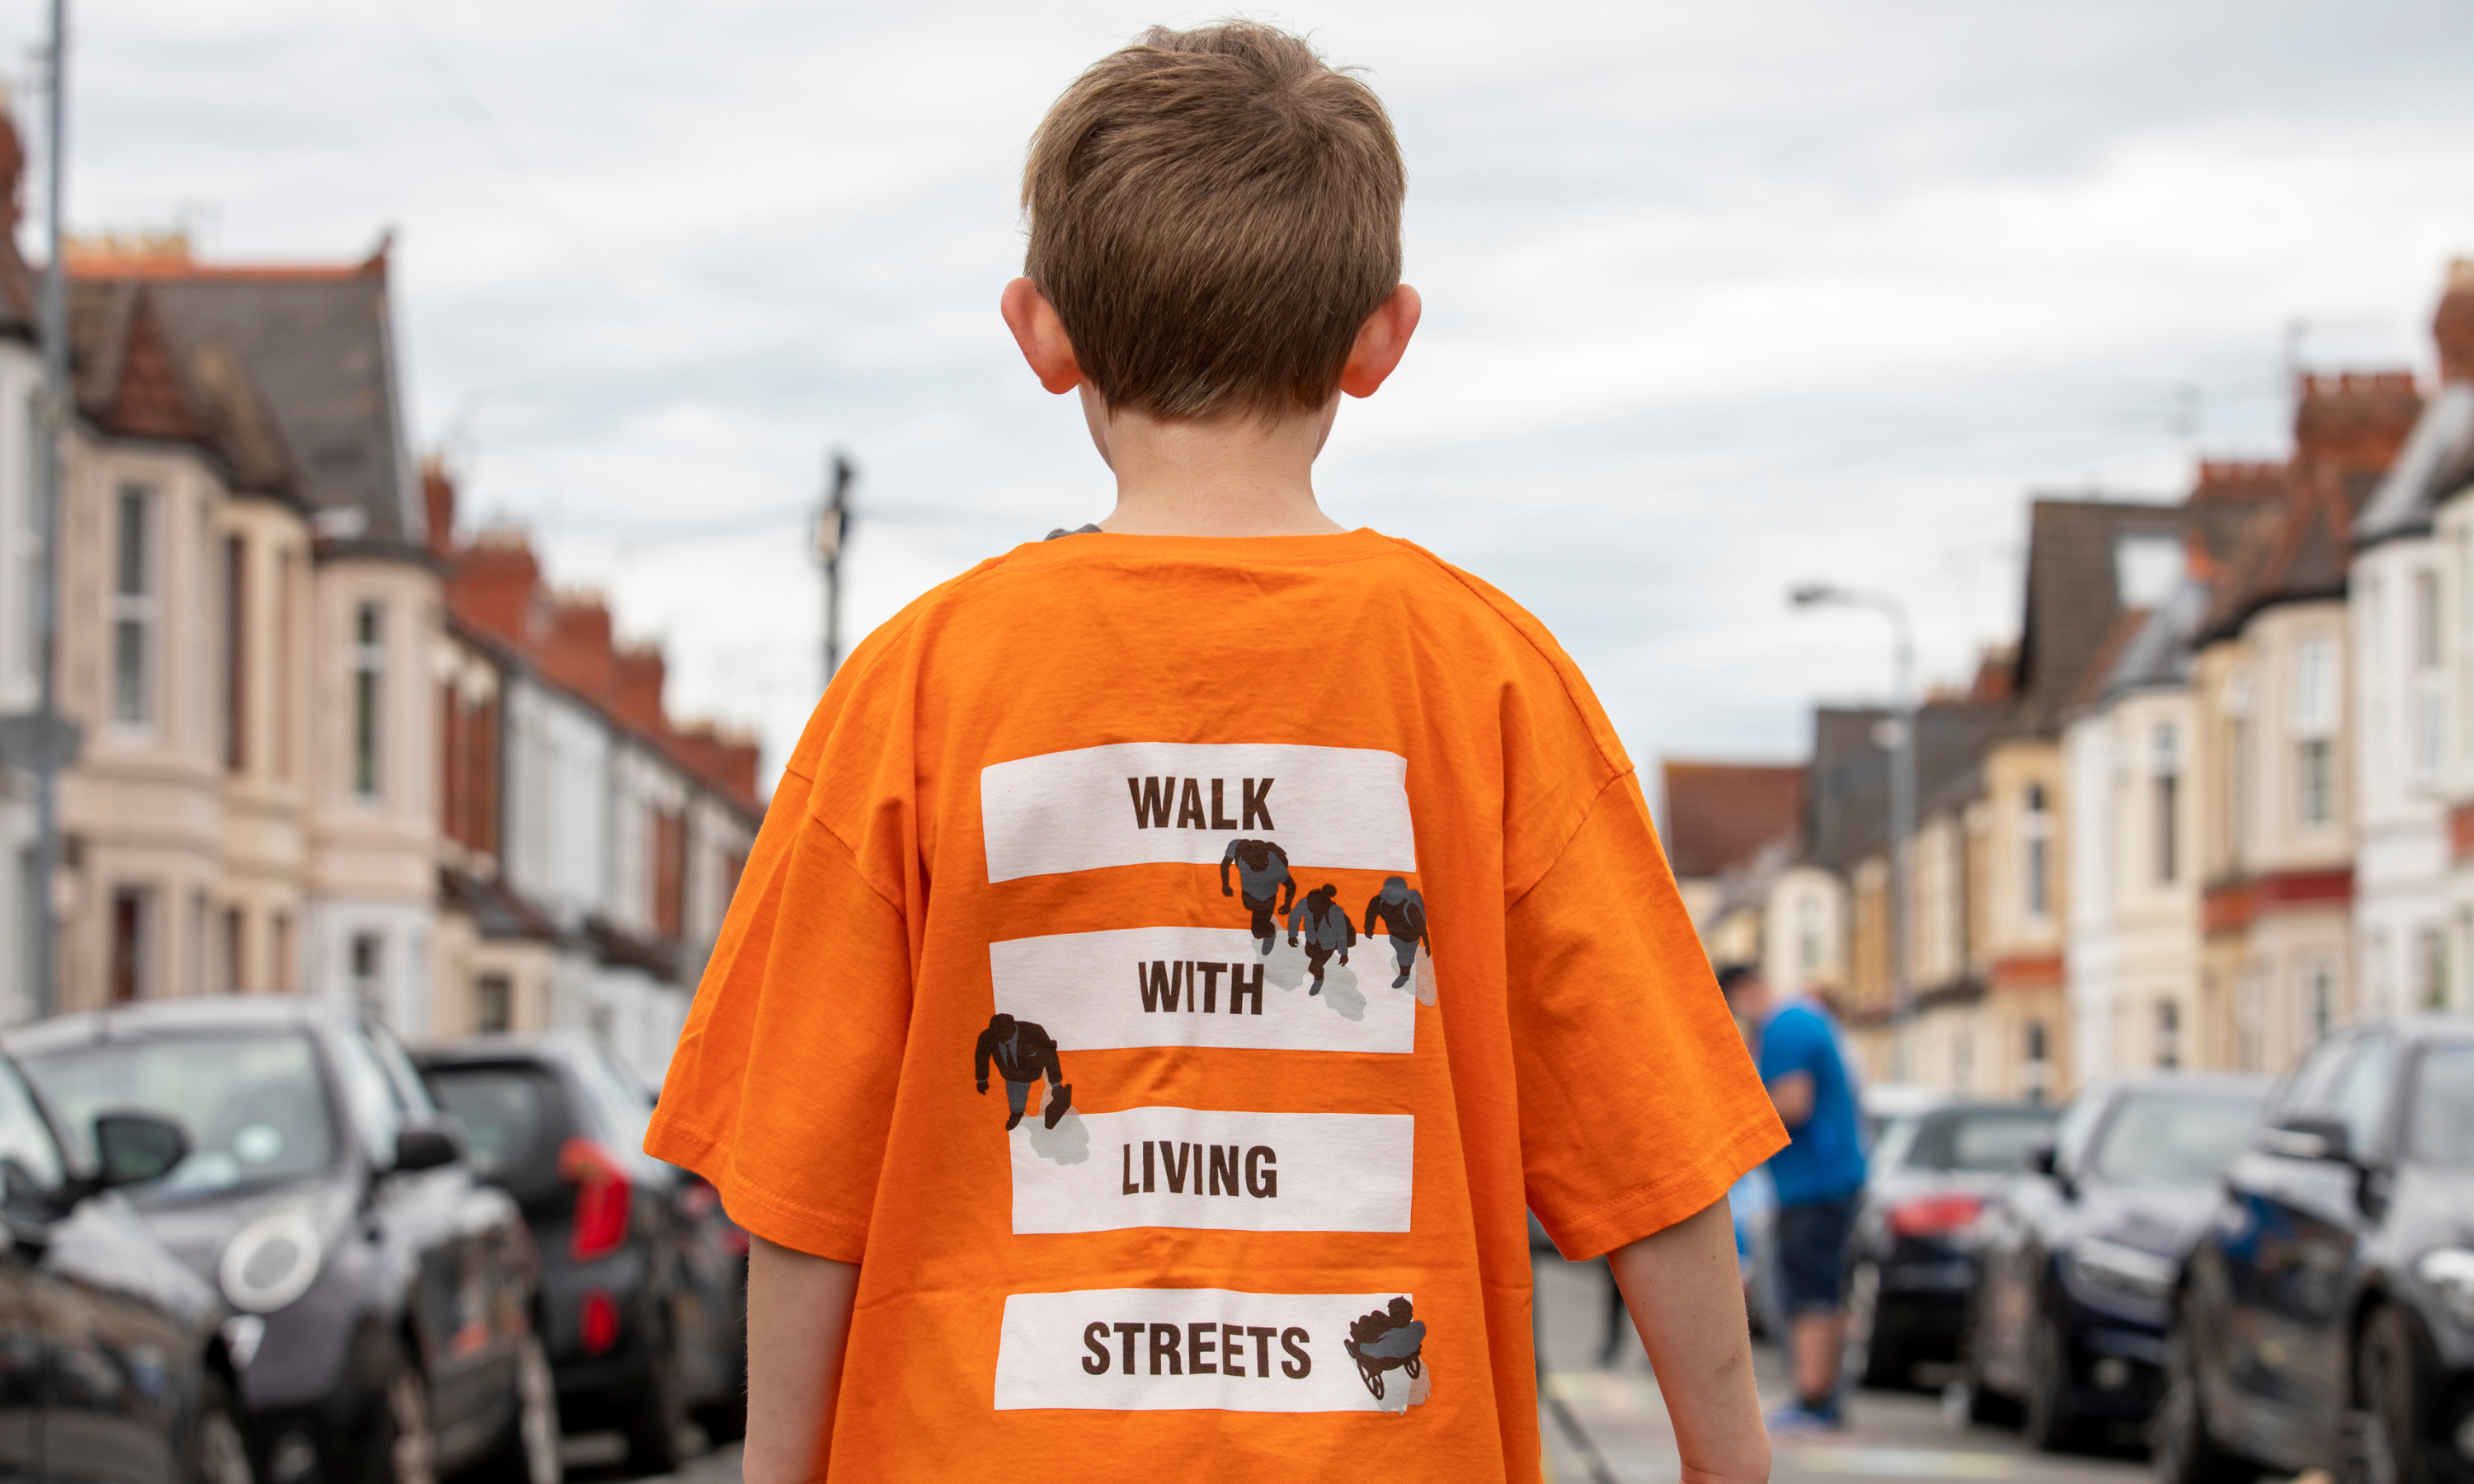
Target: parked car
(113, 1365)
(643, 1278)
(1913, 1256)
(385, 1298)
(2076, 1258)
(2326, 1319)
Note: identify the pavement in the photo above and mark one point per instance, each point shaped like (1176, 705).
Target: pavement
(1890, 1435)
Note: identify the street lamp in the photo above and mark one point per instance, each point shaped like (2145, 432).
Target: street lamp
(1903, 792)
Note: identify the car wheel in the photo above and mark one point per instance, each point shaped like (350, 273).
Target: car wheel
(2386, 1443)
(658, 1415)
(218, 1451)
(1864, 1358)
(529, 1455)
(2184, 1451)
(1985, 1406)
(405, 1451)
(2049, 1421)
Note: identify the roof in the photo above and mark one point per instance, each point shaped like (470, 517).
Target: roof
(2437, 462)
(2073, 594)
(203, 1013)
(2161, 653)
(1850, 771)
(288, 374)
(1719, 816)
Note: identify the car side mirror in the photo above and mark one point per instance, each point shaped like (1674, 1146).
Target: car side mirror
(2307, 1136)
(133, 1147)
(427, 1144)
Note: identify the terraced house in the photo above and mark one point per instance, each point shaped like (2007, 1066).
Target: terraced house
(303, 771)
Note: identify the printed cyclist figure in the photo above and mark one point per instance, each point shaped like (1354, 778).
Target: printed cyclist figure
(1403, 912)
(1262, 869)
(1327, 931)
(1023, 1053)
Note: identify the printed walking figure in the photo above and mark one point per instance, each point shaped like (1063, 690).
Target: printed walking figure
(1327, 931)
(1402, 911)
(1022, 1052)
(1262, 870)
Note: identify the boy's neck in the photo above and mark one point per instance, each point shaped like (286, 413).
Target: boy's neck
(1230, 476)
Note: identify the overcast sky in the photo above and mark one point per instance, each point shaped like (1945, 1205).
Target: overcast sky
(1718, 296)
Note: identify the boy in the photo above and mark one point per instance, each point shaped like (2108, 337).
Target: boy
(1270, 1238)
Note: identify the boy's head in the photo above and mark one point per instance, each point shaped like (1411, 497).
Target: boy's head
(1214, 215)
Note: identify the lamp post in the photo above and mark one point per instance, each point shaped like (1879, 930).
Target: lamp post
(1903, 794)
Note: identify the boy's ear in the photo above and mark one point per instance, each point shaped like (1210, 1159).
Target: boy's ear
(1041, 335)
(1381, 341)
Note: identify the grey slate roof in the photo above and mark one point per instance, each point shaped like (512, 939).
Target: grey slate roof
(2437, 462)
(315, 347)
(2160, 653)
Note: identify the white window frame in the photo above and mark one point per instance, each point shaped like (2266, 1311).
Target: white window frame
(136, 616)
(367, 720)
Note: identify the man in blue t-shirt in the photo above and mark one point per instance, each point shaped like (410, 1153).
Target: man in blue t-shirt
(1817, 1178)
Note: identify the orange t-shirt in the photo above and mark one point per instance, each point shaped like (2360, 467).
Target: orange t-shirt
(1169, 966)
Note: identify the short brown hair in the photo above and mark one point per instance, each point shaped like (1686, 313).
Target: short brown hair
(1214, 213)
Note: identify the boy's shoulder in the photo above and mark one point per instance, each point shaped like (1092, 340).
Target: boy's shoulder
(1000, 598)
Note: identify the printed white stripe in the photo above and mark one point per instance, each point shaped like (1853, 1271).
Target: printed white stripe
(1330, 807)
(1215, 1171)
(1135, 1350)
(1088, 991)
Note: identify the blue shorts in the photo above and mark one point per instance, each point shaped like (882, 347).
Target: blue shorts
(1812, 1254)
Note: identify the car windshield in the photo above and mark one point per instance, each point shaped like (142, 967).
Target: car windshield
(1985, 1140)
(2439, 1128)
(510, 1117)
(255, 1106)
(2172, 1138)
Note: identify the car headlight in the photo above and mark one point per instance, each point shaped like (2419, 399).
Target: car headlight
(271, 1261)
(2124, 1270)
(2450, 1273)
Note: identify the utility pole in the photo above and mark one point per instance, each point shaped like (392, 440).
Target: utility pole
(833, 532)
(42, 741)
(1903, 799)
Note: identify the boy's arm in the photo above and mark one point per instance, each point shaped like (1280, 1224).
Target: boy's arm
(798, 1315)
(1686, 1297)
(980, 1062)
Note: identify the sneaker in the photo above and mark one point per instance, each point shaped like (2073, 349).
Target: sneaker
(1013, 1121)
(1060, 1102)
(1403, 979)
(1313, 988)
(1266, 948)
(1797, 1417)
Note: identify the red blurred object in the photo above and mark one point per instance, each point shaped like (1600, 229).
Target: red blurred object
(599, 1321)
(602, 1197)
(734, 1239)
(1935, 1215)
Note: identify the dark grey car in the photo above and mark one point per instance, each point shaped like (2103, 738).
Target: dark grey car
(2326, 1318)
(383, 1298)
(644, 1276)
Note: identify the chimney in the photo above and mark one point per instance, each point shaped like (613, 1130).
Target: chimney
(438, 504)
(2354, 422)
(2237, 481)
(726, 759)
(2453, 325)
(638, 671)
(577, 651)
(496, 584)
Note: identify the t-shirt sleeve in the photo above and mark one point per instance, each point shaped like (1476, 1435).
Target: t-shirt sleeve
(1638, 1102)
(781, 1091)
